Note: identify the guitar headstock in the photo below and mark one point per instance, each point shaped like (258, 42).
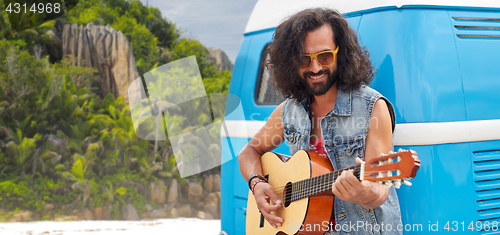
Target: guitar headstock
(392, 168)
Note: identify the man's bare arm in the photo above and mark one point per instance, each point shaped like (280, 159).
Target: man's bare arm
(268, 138)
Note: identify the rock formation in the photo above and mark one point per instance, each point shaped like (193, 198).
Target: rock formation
(99, 47)
(220, 59)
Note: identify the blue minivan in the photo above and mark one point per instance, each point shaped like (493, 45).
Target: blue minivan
(438, 62)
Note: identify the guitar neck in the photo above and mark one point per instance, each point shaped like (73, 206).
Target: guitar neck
(322, 183)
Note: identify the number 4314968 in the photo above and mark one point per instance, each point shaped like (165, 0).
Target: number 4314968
(479, 226)
(35, 8)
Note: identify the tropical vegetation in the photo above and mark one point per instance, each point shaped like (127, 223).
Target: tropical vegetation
(63, 143)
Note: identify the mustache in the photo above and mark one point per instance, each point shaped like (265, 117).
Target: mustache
(309, 73)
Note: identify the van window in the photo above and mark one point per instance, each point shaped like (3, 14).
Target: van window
(265, 92)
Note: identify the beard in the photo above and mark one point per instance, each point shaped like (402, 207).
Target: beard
(320, 88)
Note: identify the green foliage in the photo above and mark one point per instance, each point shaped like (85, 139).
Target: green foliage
(120, 191)
(5, 28)
(143, 42)
(18, 193)
(130, 187)
(37, 92)
(187, 47)
(28, 38)
(164, 30)
(77, 169)
(98, 135)
(219, 83)
(61, 143)
(26, 19)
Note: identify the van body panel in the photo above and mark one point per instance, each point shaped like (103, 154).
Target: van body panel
(239, 68)
(445, 170)
(432, 74)
(477, 37)
(417, 69)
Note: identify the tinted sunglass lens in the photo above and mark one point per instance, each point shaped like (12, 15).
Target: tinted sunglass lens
(325, 58)
(304, 61)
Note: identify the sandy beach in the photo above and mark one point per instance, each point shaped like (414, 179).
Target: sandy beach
(185, 226)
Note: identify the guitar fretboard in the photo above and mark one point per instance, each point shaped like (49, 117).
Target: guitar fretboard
(315, 185)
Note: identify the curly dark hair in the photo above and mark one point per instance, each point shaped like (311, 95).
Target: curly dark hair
(353, 64)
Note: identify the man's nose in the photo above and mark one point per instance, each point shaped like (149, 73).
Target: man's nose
(315, 66)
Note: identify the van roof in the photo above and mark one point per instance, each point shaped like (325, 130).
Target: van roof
(269, 13)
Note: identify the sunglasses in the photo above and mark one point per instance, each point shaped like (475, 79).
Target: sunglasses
(324, 58)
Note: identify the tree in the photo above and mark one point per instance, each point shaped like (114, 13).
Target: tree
(188, 47)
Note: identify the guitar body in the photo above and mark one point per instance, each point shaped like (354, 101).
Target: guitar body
(312, 213)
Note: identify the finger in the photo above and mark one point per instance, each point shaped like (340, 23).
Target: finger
(274, 220)
(351, 179)
(349, 188)
(359, 161)
(342, 175)
(270, 208)
(272, 202)
(340, 185)
(263, 203)
(274, 197)
(336, 192)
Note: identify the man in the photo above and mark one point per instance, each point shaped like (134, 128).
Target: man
(319, 66)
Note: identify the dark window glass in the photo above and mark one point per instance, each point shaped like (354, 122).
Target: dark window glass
(266, 93)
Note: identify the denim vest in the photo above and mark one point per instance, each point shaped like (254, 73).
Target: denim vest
(344, 131)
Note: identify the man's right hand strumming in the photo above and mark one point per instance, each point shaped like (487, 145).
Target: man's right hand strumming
(264, 194)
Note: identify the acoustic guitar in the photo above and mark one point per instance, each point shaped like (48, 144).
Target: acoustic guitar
(304, 185)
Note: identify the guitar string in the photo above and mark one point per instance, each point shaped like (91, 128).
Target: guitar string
(322, 185)
(335, 173)
(319, 188)
(301, 193)
(319, 185)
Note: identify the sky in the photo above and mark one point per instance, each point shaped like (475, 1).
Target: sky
(215, 23)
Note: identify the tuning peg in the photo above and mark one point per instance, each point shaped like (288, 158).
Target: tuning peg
(386, 183)
(407, 182)
(397, 183)
(401, 150)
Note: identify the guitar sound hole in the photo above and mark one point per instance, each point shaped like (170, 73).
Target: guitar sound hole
(287, 194)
